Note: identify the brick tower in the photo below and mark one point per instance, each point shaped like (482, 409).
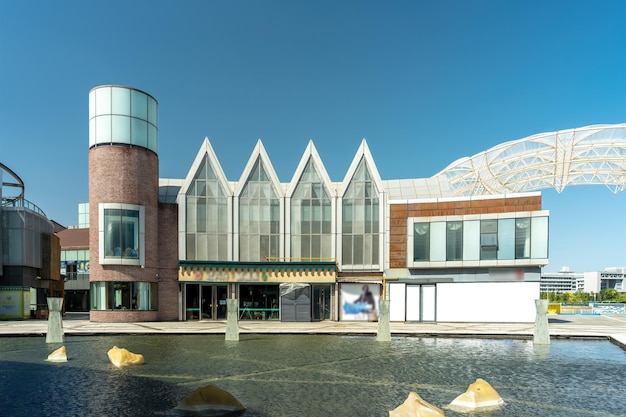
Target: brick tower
(123, 204)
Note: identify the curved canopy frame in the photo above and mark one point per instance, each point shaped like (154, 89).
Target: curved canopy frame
(582, 156)
(17, 185)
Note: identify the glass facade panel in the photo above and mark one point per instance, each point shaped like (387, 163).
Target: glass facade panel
(489, 239)
(152, 112)
(454, 241)
(207, 216)
(139, 132)
(259, 217)
(307, 216)
(471, 238)
(421, 242)
(139, 105)
(152, 137)
(360, 223)
(506, 239)
(103, 100)
(103, 129)
(539, 237)
(120, 129)
(346, 249)
(120, 101)
(201, 218)
(438, 241)
(522, 238)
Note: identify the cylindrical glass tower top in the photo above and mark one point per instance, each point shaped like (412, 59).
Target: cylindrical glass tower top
(123, 115)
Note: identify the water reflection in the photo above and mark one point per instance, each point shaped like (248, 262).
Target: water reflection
(309, 375)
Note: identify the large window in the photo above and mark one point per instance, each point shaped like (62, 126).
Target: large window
(360, 221)
(496, 239)
(522, 238)
(124, 295)
(121, 236)
(489, 239)
(454, 241)
(311, 218)
(75, 264)
(259, 218)
(421, 242)
(207, 216)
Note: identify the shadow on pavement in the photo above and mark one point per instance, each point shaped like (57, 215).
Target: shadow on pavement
(550, 320)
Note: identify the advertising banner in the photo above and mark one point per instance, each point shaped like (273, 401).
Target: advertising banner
(12, 304)
(359, 302)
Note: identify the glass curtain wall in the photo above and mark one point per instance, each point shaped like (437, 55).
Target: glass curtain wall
(360, 224)
(495, 239)
(124, 296)
(311, 237)
(259, 218)
(207, 216)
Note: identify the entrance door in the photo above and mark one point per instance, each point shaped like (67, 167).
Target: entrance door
(192, 302)
(207, 303)
(429, 303)
(221, 294)
(321, 302)
(421, 302)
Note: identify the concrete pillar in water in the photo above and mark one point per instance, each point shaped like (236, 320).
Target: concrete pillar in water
(384, 332)
(542, 334)
(232, 321)
(55, 327)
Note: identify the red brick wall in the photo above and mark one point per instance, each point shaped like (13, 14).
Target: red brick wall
(122, 316)
(124, 174)
(168, 261)
(399, 213)
(120, 174)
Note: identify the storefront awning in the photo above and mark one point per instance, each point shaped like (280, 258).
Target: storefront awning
(269, 271)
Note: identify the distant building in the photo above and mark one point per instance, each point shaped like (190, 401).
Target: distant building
(29, 265)
(596, 281)
(560, 282)
(75, 266)
(590, 282)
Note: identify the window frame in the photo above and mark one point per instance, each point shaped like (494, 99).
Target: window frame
(102, 235)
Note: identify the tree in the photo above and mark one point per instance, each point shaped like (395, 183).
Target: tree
(581, 297)
(610, 294)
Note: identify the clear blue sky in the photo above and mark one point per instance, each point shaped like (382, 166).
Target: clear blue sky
(425, 82)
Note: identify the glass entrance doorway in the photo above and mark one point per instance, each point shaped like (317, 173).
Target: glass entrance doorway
(205, 301)
(321, 302)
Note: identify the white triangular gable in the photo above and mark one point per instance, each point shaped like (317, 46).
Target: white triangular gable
(311, 153)
(362, 153)
(259, 153)
(206, 149)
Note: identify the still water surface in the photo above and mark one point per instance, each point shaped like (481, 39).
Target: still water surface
(310, 375)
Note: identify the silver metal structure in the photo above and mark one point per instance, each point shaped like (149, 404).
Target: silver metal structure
(587, 155)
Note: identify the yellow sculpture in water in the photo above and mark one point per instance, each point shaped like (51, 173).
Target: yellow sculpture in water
(480, 394)
(210, 398)
(59, 355)
(415, 406)
(122, 357)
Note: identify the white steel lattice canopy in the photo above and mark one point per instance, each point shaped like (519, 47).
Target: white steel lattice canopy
(587, 155)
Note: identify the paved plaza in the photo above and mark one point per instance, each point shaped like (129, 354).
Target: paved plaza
(610, 327)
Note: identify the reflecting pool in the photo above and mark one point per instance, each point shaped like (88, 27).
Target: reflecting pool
(309, 375)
